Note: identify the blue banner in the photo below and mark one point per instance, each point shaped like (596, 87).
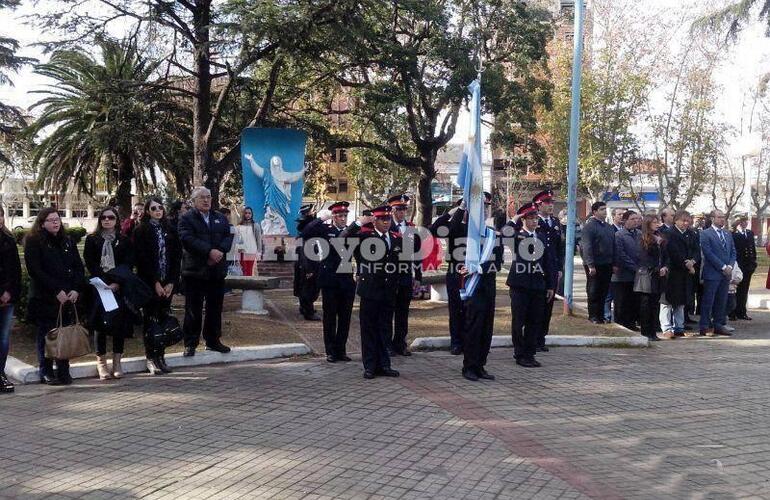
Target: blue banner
(273, 163)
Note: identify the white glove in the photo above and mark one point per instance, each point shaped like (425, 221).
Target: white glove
(324, 214)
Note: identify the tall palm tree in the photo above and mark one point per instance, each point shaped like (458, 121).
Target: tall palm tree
(110, 121)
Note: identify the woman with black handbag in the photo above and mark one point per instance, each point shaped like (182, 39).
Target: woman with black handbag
(105, 249)
(57, 275)
(158, 260)
(647, 282)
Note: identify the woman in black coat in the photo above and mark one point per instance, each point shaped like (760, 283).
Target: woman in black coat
(105, 249)
(158, 257)
(57, 275)
(650, 258)
(10, 289)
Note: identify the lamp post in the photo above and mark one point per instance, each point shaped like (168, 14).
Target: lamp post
(574, 149)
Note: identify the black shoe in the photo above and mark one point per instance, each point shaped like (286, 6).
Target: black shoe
(5, 384)
(482, 373)
(456, 351)
(63, 372)
(313, 317)
(732, 317)
(543, 349)
(745, 317)
(596, 321)
(633, 328)
(470, 375)
(368, 374)
(343, 358)
(654, 339)
(389, 372)
(526, 363)
(160, 362)
(51, 380)
(331, 359)
(404, 352)
(535, 363)
(189, 352)
(218, 347)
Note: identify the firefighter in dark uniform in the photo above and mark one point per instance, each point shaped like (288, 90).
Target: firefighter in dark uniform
(455, 235)
(550, 228)
(531, 283)
(479, 307)
(409, 275)
(338, 289)
(305, 270)
(377, 256)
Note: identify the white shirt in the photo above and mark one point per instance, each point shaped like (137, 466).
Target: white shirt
(386, 235)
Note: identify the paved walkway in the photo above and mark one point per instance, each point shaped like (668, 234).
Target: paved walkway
(684, 419)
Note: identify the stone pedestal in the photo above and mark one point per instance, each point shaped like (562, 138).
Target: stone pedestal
(253, 302)
(438, 293)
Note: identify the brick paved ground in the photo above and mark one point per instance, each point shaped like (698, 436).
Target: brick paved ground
(684, 419)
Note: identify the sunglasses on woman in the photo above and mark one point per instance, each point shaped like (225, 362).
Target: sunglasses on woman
(156, 208)
(108, 217)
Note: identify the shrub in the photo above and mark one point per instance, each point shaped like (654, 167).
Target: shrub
(19, 235)
(76, 233)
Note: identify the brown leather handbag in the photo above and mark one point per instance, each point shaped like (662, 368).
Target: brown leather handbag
(67, 342)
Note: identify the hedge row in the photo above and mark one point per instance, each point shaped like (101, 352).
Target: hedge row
(75, 233)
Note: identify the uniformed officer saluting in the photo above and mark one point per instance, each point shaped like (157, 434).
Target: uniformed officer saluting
(479, 307)
(531, 283)
(338, 289)
(305, 270)
(409, 275)
(376, 253)
(455, 234)
(549, 226)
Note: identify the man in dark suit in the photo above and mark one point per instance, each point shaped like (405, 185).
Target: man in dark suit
(598, 251)
(377, 254)
(531, 282)
(206, 238)
(718, 251)
(746, 252)
(409, 275)
(338, 289)
(549, 227)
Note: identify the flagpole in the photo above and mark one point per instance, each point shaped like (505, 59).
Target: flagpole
(574, 148)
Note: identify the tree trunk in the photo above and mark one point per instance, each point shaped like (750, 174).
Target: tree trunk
(424, 202)
(125, 170)
(202, 100)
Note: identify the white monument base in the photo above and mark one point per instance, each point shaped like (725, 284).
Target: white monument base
(253, 302)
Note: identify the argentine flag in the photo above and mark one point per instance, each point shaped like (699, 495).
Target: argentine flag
(470, 177)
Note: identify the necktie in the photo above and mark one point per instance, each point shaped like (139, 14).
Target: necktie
(722, 238)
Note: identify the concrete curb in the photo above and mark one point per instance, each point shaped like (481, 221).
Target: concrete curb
(758, 300)
(26, 374)
(551, 340)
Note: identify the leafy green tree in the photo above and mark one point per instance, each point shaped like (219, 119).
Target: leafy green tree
(405, 67)
(109, 124)
(734, 16)
(11, 117)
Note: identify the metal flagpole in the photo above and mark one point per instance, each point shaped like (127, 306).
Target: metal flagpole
(574, 148)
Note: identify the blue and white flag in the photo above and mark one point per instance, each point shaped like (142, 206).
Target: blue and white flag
(471, 178)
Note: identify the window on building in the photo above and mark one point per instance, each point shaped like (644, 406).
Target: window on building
(343, 187)
(342, 155)
(15, 210)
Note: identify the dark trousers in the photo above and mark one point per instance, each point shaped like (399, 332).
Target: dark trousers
(648, 312)
(479, 318)
(118, 343)
(713, 308)
(527, 314)
(212, 293)
(337, 306)
(308, 293)
(546, 322)
(398, 325)
(742, 295)
(597, 287)
(626, 303)
(374, 334)
(155, 309)
(456, 309)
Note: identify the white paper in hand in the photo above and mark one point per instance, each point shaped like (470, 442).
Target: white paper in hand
(105, 294)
